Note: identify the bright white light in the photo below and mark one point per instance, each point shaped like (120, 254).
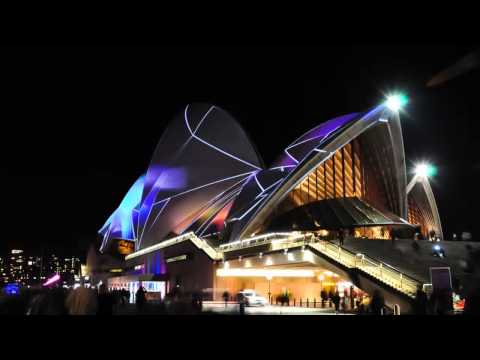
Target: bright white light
(396, 102)
(269, 262)
(264, 273)
(437, 247)
(393, 103)
(421, 170)
(424, 170)
(290, 257)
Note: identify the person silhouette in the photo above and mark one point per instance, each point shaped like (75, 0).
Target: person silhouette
(140, 299)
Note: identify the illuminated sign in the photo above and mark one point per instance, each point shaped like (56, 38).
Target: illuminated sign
(17, 251)
(126, 247)
(139, 267)
(116, 270)
(177, 258)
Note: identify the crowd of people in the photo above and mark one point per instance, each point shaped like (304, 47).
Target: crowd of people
(353, 301)
(83, 300)
(101, 301)
(57, 300)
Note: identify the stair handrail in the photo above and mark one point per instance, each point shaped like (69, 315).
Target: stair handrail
(406, 283)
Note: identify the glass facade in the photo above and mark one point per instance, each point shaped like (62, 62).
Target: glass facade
(340, 176)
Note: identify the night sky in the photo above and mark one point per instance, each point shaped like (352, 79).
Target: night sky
(79, 124)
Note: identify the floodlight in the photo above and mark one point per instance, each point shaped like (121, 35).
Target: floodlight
(396, 102)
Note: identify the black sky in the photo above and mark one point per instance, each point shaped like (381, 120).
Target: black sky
(79, 124)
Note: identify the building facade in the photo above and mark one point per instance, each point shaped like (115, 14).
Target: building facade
(207, 188)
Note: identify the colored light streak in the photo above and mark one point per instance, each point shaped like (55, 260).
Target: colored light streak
(258, 183)
(203, 118)
(52, 280)
(250, 209)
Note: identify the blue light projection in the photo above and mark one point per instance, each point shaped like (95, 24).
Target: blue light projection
(201, 154)
(205, 173)
(154, 263)
(11, 289)
(159, 179)
(121, 223)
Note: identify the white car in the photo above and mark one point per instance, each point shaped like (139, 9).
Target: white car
(252, 298)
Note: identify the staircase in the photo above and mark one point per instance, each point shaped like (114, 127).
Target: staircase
(380, 271)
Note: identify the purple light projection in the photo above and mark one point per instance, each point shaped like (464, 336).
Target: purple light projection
(189, 181)
(52, 280)
(301, 147)
(167, 179)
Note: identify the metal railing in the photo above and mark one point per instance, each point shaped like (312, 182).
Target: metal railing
(205, 246)
(272, 238)
(335, 252)
(387, 274)
(279, 241)
(190, 236)
(379, 270)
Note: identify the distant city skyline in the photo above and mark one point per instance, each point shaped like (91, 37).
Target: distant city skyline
(30, 269)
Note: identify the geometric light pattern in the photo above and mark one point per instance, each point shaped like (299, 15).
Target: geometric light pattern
(121, 224)
(295, 161)
(205, 175)
(200, 165)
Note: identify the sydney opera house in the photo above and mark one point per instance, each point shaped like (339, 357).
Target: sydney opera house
(208, 214)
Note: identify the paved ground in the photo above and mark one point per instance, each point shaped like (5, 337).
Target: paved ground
(233, 309)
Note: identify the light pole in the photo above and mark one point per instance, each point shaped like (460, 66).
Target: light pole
(269, 278)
